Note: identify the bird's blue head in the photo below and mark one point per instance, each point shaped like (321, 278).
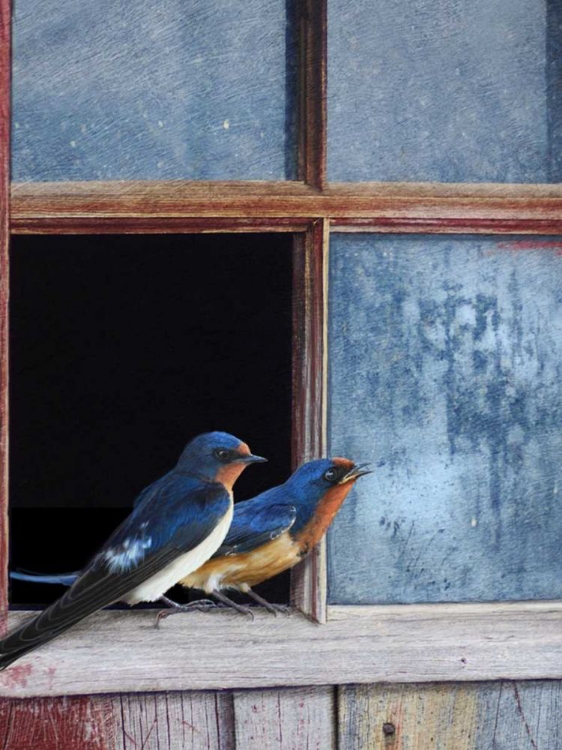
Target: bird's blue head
(217, 457)
(317, 477)
(319, 488)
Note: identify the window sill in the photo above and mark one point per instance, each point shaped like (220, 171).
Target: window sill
(123, 652)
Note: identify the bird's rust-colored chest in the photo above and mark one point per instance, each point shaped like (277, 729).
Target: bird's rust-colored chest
(248, 568)
(326, 509)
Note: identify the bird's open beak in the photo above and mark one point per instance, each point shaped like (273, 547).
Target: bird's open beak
(251, 459)
(358, 471)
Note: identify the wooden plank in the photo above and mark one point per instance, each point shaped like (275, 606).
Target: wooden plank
(312, 91)
(5, 7)
(167, 721)
(286, 719)
(309, 579)
(57, 724)
(486, 716)
(67, 207)
(118, 651)
(197, 721)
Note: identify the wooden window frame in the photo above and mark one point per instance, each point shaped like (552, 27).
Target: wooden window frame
(122, 652)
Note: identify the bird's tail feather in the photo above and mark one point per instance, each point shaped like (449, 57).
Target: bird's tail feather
(64, 579)
(73, 606)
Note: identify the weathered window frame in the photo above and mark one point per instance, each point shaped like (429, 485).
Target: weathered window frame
(119, 651)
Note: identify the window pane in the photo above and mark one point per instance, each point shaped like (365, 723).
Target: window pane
(123, 348)
(119, 90)
(446, 374)
(448, 91)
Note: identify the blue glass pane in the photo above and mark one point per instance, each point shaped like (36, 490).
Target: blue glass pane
(448, 91)
(142, 90)
(445, 357)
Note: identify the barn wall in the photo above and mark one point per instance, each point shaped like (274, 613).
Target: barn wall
(470, 716)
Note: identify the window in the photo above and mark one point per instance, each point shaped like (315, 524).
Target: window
(123, 346)
(490, 199)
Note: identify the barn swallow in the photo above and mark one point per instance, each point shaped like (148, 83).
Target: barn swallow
(269, 534)
(178, 522)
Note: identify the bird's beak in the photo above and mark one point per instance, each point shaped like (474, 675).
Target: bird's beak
(251, 459)
(358, 471)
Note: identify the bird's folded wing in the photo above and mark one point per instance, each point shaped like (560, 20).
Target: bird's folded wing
(172, 520)
(252, 527)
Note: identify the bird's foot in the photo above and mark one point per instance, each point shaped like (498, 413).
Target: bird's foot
(201, 605)
(283, 608)
(233, 605)
(273, 608)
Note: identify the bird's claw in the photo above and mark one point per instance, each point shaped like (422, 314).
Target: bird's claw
(201, 605)
(283, 608)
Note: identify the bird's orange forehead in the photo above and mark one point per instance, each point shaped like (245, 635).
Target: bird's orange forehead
(243, 449)
(344, 463)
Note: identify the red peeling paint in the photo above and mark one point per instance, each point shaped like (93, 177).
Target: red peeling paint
(57, 724)
(555, 246)
(17, 675)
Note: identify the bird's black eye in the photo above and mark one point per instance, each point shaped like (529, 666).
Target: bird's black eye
(223, 454)
(331, 475)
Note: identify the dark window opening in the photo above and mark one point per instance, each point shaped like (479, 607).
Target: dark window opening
(123, 348)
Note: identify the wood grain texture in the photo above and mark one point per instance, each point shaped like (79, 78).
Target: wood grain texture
(285, 719)
(309, 578)
(312, 65)
(164, 721)
(487, 716)
(59, 724)
(123, 652)
(5, 6)
(94, 206)
(167, 721)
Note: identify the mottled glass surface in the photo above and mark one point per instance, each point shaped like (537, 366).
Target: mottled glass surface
(446, 91)
(445, 372)
(140, 90)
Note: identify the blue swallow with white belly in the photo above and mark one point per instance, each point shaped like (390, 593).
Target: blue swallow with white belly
(178, 522)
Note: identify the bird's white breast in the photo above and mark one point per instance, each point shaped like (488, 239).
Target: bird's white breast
(158, 584)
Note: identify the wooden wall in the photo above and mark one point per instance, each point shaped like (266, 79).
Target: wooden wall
(472, 716)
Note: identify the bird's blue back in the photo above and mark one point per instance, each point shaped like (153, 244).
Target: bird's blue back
(287, 507)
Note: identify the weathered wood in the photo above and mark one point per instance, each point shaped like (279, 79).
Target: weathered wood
(95, 206)
(312, 66)
(310, 262)
(487, 716)
(167, 721)
(58, 724)
(5, 6)
(123, 652)
(286, 719)
(195, 721)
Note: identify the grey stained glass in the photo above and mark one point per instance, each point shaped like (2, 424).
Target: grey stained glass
(138, 90)
(445, 372)
(446, 90)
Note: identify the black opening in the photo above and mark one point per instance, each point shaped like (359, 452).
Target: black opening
(123, 348)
